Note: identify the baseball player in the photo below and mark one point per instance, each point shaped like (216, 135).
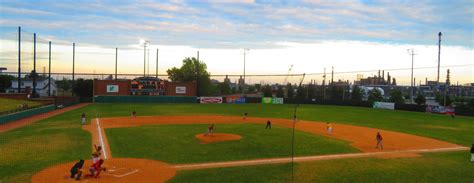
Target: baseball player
(96, 154)
(96, 168)
(329, 127)
(210, 130)
(76, 171)
(245, 115)
(472, 153)
(83, 117)
(379, 141)
(134, 113)
(269, 125)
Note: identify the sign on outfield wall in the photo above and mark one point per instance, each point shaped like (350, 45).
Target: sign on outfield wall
(112, 88)
(210, 100)
(277, 100)
(270, 100)
(180, 90)
(235, 100)
(384, 105)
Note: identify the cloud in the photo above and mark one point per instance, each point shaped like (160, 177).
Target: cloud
(23, 11)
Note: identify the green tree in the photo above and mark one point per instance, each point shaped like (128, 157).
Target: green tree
(250, 89)
(64, 85)
(470, 103)
(192, 70)
(258, 87)
(224, 88)
(280, 93)
(439, 97)
(335, 92)
(356, 93)
(420, 99)
(267, 91)
(83, 87)
(5, 82)
(290, 91)
(301, 92)
(396, 96)
(375, 95)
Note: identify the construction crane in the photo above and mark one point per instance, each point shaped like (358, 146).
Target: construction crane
(288, 74)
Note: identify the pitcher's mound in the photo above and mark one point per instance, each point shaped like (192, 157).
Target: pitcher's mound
(118, 170)
(217, 137)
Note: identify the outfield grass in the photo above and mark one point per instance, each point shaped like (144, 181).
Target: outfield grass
(432, 167)
(176, 143)
(459, 130)
(11, 104)
(59, 139)
(52, 141)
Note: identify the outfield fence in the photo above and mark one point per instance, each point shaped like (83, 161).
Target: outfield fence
(144, 99)
(26, 113)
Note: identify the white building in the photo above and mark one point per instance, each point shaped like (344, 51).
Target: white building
(41, 86)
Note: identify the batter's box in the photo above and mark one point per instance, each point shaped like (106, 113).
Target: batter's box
(120, 171)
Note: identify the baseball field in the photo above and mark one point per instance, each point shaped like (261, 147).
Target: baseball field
(165, 143)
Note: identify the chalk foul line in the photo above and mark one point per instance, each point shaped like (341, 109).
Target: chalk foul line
(306, 158)
(125, 174)
(101, 141)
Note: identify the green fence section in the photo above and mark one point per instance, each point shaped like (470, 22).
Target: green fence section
(26, 113)
(143, 99)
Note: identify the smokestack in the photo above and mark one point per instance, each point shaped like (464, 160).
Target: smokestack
(332, 75)
(388, 78)
(426, 81)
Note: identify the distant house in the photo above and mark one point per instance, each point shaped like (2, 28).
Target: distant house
(26, 86)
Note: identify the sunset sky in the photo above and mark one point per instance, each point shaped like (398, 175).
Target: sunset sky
(310, 35)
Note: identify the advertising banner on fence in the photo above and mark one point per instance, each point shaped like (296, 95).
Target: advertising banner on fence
(112, 88)
(384, 105)
(266, 100)
(270, 100)
(440, 109)
(210, 100)
(180, 90)
(277, 100)
(235, 100)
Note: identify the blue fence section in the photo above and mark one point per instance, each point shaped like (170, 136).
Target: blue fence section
(26, 113)
(144, 99)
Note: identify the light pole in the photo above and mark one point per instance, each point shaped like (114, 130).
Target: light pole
(243, 83)
(412, 53)
(144, 42)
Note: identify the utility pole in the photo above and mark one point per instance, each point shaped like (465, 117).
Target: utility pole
(73, 62)
(412, 53)
(19, 59)
(49, 70)
(439, 56)
(34, 65)
(116, 57)
(157, 63)
(324, 84)
(148, 61)
(243, 83)
(197, 75)
(446, 87)
(73, 59)
(145, 42)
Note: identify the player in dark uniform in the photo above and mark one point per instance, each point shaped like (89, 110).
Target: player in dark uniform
(269, 125)
(76, 171)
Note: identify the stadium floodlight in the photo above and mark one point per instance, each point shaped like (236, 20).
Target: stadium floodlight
(144, 43)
